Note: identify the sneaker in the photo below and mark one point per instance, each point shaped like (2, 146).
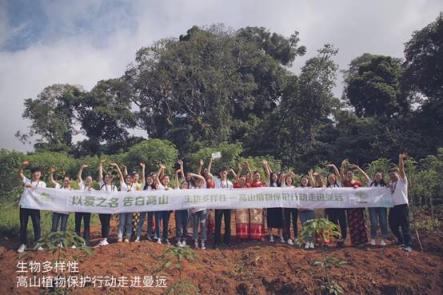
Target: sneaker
(290, 242)
(407, 249)
(382, 243)
(21, 249)
(203, 245)
(159, 241)
(40, 248)
(372, 242)
(271, 239)
(103, 242)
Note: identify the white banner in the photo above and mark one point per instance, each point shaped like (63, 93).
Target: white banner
(267, 197)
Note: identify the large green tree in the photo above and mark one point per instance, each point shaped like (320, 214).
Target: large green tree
(373, 86)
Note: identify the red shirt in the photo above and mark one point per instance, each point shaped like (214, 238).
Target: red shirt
(353, 183)
(257, 184)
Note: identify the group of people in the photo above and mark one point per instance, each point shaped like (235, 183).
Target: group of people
(250, 223)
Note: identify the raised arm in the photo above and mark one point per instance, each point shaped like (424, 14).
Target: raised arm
(124, 170)
(267, 168)
(234, 174)
(368, 179)
(100, 172)
(80, 173)
(120, 174)
(210, 166)
(200, 166)
(311, 177)
(21, 173)
(401, 165)
(51, 176)
(336, 171)
(143, 174)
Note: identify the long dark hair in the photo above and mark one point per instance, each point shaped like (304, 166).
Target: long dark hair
(382, 181)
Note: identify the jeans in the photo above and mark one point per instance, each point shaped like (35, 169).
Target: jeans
(150, 231)
(399, 218)
(200, 217)
(219, 214)
(86, 224)
(24, 218)
(181, 221)
(162, 216)
(105, 220)
(306, 215)
(338, 216)
(378, 216)
(59, 218)
(125, 225)
(290, 215)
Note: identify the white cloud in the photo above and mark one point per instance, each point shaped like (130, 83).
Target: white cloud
(78, 56)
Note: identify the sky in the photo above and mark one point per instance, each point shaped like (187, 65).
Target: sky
(44, 42)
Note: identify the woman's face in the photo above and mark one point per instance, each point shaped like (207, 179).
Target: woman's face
(349, 175)
(256, 176)
(165, 180)
(274, 177)
(332, 179)
(128, 179)
(288, 181)
(378, 177)
(66, 182)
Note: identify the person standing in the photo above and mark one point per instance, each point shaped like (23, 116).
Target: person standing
(223, 182)
(356, 216)
(337, 215)
(106, 185)
(399, 214)
(59, 218)
(378, 215)
(79, 216)
(30, 184)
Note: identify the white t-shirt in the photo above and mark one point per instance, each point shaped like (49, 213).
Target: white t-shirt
(34, 184)
(58, 186)
(107, 187)
(83, 187)
(223, 184)
(124, 187)
(399, 190)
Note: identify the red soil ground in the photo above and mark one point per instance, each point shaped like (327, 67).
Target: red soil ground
(252, 268)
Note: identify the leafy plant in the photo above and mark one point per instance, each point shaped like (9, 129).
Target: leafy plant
(173, 258)
(321, 228)
(328, 285)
